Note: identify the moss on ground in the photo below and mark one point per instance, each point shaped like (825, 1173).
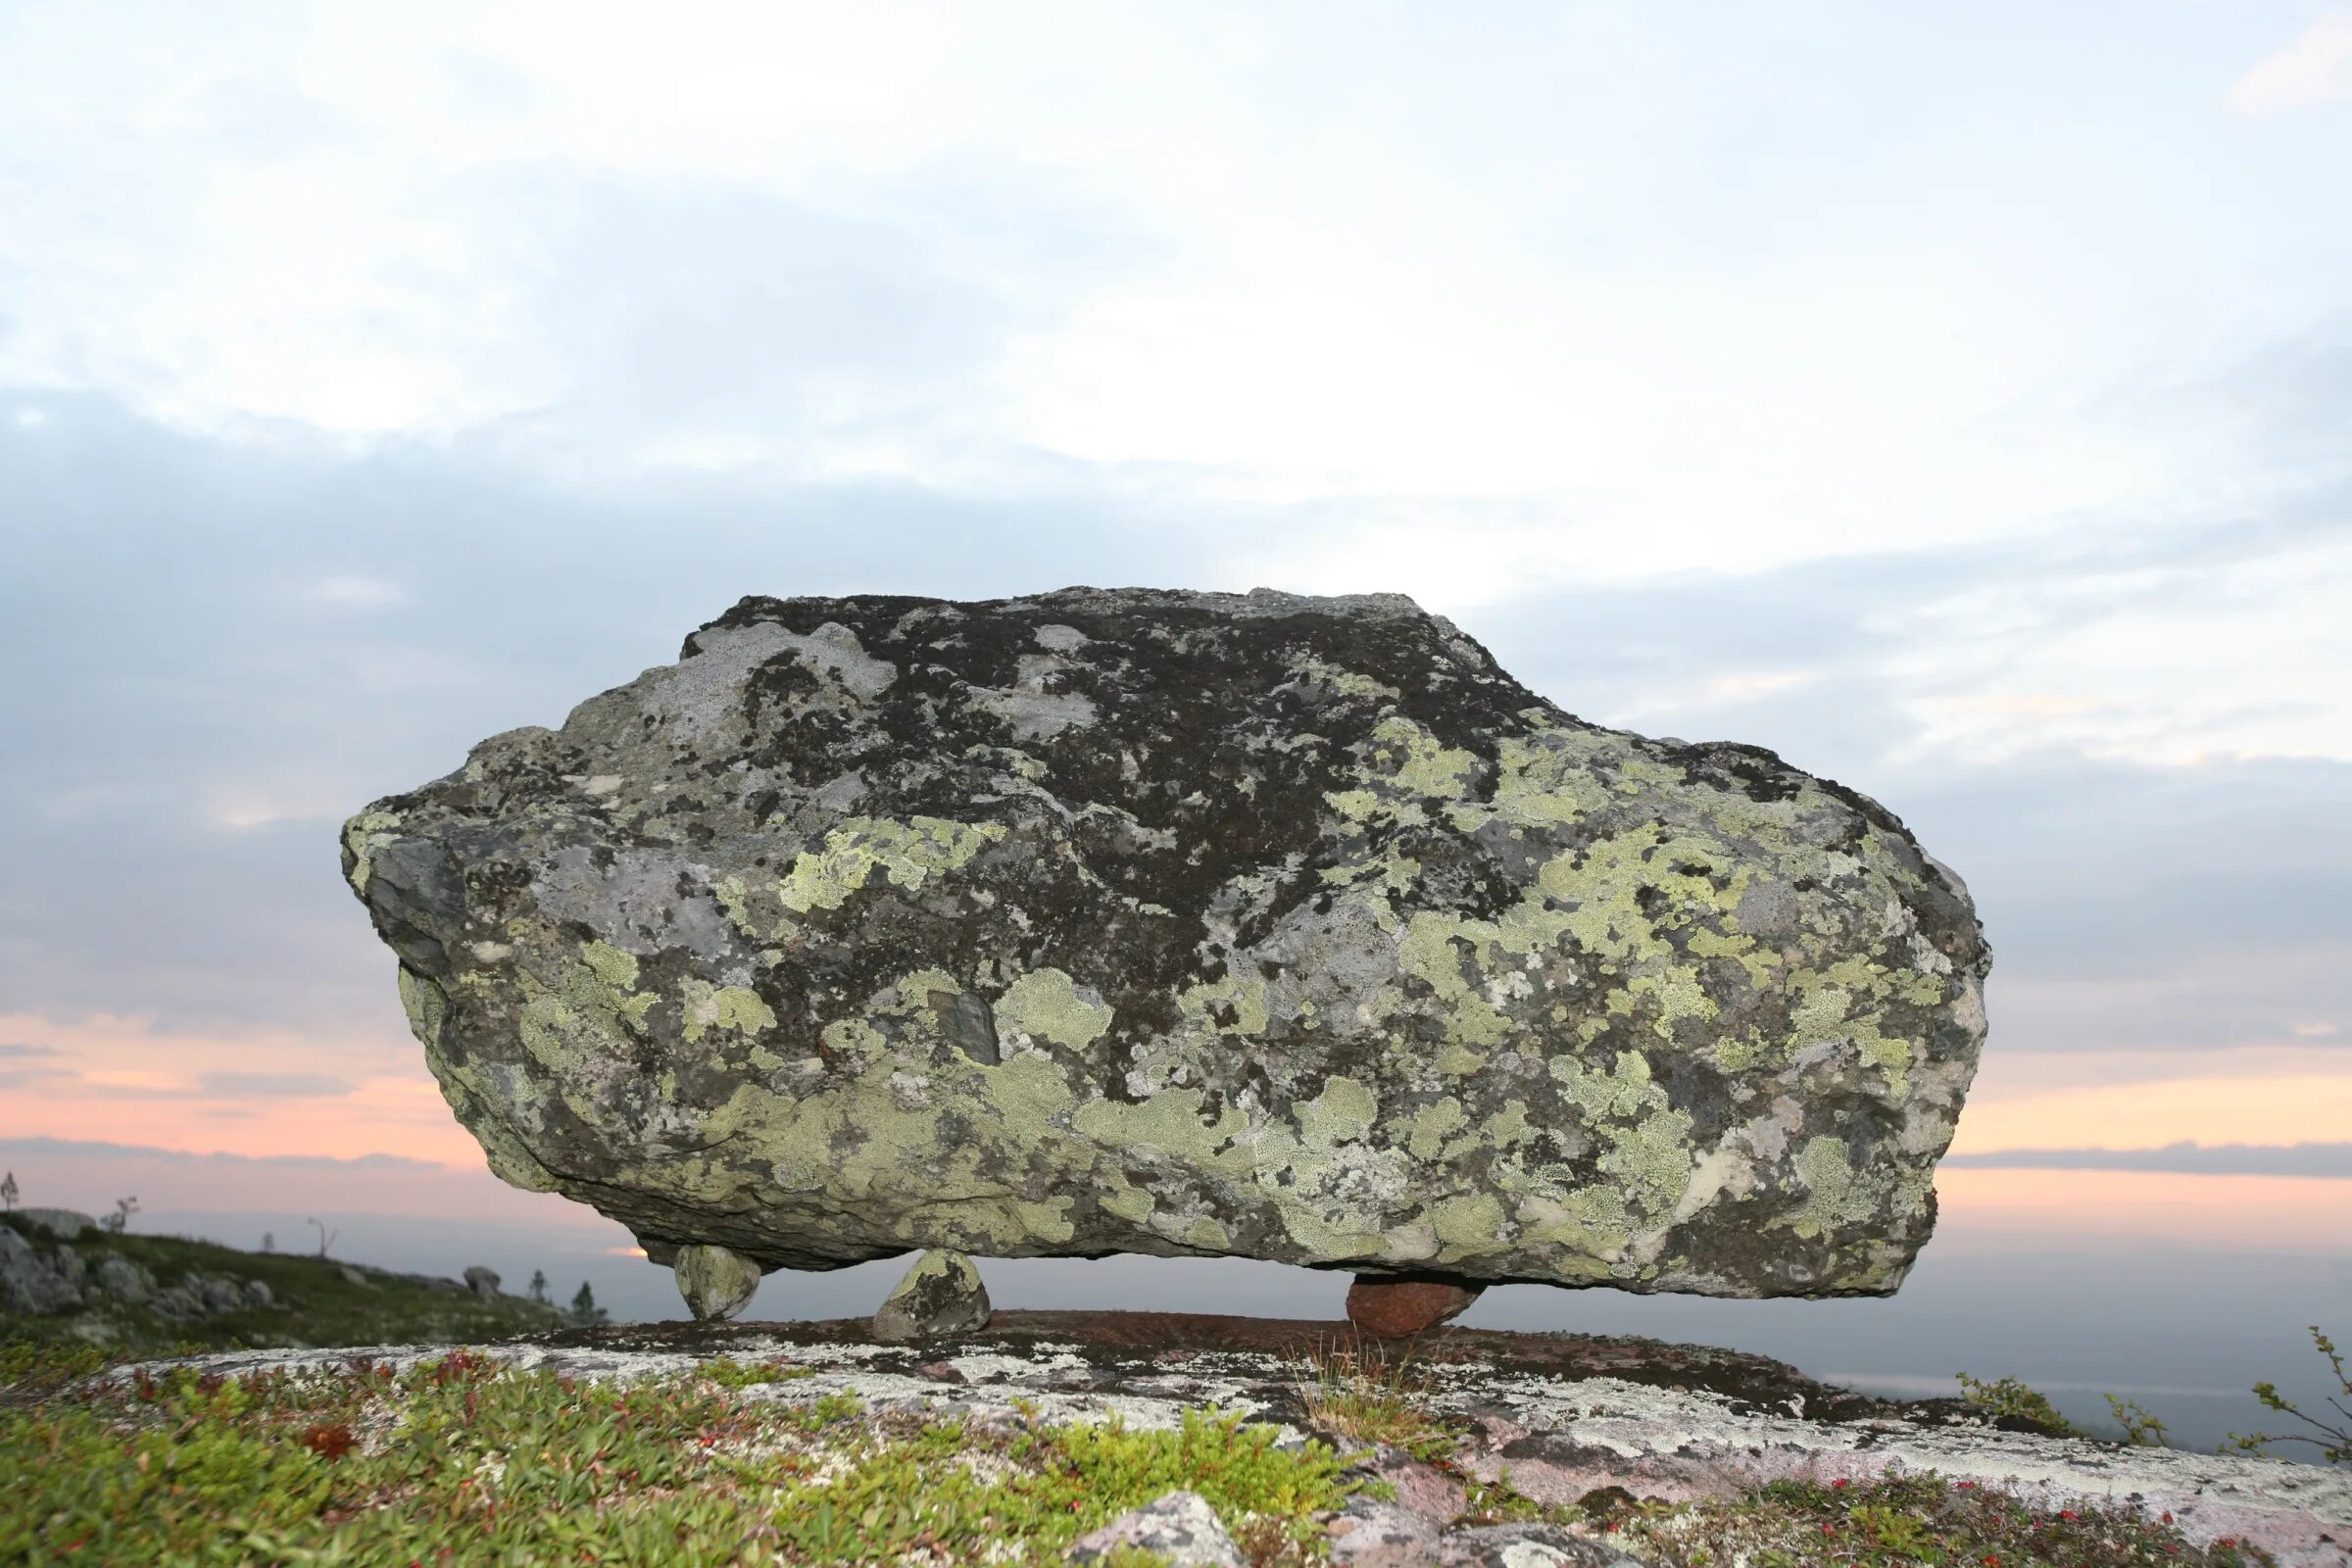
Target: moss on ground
(1898, 1521)
(318, 1303)
(466, 1458)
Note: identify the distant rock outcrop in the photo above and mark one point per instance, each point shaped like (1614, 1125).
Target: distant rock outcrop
(1257, 925)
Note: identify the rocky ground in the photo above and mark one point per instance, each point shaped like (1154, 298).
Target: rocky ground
(64, 1279)
(1494, 1447)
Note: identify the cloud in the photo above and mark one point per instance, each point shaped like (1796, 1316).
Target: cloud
(2315, 68)
(85, 1147)
(270, 1084)
(348, 590)
(89, 1174)
(2215, 1160)
(17, 1048)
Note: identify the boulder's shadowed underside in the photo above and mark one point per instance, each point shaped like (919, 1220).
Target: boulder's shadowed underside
(1182, 923)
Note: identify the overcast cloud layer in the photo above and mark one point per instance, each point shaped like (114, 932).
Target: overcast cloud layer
(1957, 400)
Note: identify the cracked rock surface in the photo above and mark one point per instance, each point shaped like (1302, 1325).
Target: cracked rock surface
(1215, 924)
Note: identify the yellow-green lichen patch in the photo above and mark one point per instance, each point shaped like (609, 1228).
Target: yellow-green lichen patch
(1651, 1160)
(1246, 998)
(1045, 1004)
(425, 1004)
(1343, 1112)
(1168, 1124)
(364, 836)
(908, 853)
(1836, 1194)
(1410, 759)
(612, 966)
(1432, 1126)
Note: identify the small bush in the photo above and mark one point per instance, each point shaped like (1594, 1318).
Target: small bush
(2007, 1399)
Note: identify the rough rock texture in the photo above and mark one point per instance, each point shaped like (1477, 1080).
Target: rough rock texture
(941, 1295)
(60, 1279)
(1398, 1308)
(1180, 1528)
(29, 1282)
(1564, 1415)
(717, 1281)
(1180, 923)
(482, 1282)
(65, 1224)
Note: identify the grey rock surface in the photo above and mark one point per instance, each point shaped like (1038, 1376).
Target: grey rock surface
(1557, 1435)
(1181, 1527)
(941, 1295)
(1524, 1546)
(1179, 924)
(482, 1282)
(120, 1280)
(1371, 1533)
(65, 1224)
(29, 1282)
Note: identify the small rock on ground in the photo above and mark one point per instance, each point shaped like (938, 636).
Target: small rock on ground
(1400, 1308)
(1420, 1487)
(1524, 1546)
(718, 1282)
(941, 1295)
(1180, 1527)
(1370, 1534)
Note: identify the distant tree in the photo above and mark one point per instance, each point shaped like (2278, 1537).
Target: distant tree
(268, 1242)
(326, 1237)
(8, 1190)
(584, 1310)
(539, 1285)
(124, 1208)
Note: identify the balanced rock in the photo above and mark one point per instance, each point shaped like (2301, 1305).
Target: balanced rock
(1254, 925)
(482, 1282)
(718, 1282)
(941, 1295)
(1399, 1307)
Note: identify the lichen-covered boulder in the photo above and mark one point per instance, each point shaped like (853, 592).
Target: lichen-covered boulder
(1264, 925)
(941, 1296)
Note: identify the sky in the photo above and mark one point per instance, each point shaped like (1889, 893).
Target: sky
(1956, 399)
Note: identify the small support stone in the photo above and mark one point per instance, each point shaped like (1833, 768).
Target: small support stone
(1397, 1309)
(941, 1295)
(718, 1282)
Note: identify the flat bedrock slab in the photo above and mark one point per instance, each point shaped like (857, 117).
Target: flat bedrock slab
(1566, 1415)
(1212, 924)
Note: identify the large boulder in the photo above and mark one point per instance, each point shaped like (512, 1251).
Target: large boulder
(1262, 925)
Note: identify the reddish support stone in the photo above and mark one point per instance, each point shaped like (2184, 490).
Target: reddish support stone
(1397, 1308)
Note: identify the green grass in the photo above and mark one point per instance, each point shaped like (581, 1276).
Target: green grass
(1353, 1389)
(318, 1305)
(464, 1458)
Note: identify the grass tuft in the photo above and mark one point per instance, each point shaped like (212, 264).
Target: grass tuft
(1354, 1389)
